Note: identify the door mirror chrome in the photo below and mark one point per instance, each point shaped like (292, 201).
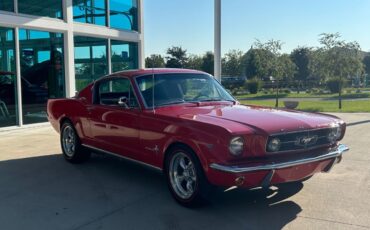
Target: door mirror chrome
(122, 101)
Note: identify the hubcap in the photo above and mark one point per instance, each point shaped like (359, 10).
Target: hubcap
(182, 175)
(69, 141)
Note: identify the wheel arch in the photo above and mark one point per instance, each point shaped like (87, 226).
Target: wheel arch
(191, 147)
(64, 119)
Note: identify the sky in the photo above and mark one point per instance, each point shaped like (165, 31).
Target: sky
(189, 23)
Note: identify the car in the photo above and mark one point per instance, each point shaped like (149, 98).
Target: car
(184, 123)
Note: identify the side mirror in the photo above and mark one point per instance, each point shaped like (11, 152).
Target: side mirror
(122, 101)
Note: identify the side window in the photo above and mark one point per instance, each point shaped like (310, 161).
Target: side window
(115, 91)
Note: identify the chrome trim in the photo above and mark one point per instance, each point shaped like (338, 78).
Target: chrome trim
(300, 131)
(273, 166)
(123, 157)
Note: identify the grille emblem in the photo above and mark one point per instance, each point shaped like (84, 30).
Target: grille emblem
(306, 140)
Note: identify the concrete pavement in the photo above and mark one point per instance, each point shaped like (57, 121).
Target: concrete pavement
(39, 190)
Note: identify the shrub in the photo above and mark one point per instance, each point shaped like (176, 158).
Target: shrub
(254, 85)
(333, 85)
(287, 91)
(315, 90)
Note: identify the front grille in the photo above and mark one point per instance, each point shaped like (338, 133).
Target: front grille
(302, 139)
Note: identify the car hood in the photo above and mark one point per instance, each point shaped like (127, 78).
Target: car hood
(261, 119)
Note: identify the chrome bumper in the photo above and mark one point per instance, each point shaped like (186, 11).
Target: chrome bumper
(273, 166)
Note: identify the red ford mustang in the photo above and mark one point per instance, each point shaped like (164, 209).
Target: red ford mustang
(185, 123)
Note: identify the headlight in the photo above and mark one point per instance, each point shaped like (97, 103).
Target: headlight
(334, 134)
(274, 145)
(236, 146)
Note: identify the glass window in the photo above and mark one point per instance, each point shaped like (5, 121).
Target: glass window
(117, 92)
(47, 8)
(8, 82)
(42, 72)
(123, 14)
(7, 5)
(180, 88)
(90, 11)
(90, 60)
(124, 55)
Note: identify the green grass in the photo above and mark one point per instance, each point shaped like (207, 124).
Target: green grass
(318, 106)
(261, 95)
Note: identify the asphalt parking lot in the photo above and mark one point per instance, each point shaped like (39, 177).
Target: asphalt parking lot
(39, 190)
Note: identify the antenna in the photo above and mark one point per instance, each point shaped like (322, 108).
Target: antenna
(153, 84)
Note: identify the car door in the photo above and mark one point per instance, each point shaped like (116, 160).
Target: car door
(114, 117)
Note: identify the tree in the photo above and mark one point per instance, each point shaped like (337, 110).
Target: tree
(301, 57)
(154, 61)
(194, 62)
(287, 67)
(208, 62)
(279, 66)
(366, 63)
(337, 59)
(257, 63)
(233, 63)
(177, 57)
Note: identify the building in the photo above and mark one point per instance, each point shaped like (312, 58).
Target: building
(51, 48)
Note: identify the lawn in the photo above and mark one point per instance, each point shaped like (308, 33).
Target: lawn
(261, 95)
(318, 106)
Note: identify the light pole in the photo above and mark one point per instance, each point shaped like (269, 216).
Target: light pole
(217, 40)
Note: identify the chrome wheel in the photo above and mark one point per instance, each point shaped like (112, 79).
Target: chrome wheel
(69, 141)
(182, 175)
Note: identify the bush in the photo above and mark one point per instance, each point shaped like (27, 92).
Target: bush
(333, 85)
(287, 91)
(254, 85)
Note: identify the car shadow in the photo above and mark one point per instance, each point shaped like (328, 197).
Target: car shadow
(107, 192)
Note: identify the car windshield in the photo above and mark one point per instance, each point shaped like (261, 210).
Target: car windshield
(180, 88)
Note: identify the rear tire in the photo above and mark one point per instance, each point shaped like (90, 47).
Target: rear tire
(72, 149)
(185, 177)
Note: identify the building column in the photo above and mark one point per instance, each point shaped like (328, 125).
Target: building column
(19, 77)
(141, 53)
(217, 40)
(69, 61)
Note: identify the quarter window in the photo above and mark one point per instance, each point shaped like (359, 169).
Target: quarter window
(115, 91)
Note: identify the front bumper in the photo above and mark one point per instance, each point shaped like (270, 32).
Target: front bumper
(264, 174)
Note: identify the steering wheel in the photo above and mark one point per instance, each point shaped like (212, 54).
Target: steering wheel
(201, 94)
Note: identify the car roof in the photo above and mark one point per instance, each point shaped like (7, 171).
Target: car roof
(139, 72)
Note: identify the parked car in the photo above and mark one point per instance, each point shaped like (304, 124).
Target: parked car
(31, 93)
(186, 124)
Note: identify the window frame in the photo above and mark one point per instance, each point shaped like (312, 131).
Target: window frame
(96, 93)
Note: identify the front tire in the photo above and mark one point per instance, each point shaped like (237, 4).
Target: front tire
(72, 149)
(185, 177)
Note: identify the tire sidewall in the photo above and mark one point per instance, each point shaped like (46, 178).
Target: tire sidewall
(196, 196)
(64, 126)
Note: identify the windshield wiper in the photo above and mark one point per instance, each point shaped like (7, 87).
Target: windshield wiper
(214, 99)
